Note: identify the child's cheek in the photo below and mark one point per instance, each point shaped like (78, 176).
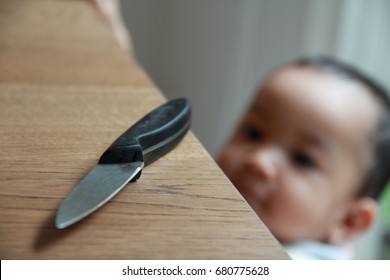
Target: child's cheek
(230, 158)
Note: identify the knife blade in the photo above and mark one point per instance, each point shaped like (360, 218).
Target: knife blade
(150, 138)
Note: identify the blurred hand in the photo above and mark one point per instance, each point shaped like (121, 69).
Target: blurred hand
(110, 11)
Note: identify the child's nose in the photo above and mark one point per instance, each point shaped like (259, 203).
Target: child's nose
(264, 162)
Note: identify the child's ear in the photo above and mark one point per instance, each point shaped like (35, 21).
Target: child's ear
(358, 218)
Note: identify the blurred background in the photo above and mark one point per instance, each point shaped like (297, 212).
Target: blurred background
(216, 52)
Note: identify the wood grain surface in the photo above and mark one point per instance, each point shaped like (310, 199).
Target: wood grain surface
(67, 91)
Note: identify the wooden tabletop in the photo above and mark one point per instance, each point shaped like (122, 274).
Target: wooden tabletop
(67, 91)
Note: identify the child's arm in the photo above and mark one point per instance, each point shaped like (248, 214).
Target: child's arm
(110, 11)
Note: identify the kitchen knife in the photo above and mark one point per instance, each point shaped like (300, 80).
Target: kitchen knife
(146, 141)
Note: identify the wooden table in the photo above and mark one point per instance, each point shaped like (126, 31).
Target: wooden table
(66, 92)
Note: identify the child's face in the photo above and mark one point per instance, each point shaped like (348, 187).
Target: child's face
(302, 151)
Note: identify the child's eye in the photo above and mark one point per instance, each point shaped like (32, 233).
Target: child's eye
(303, 160)
(252, 133)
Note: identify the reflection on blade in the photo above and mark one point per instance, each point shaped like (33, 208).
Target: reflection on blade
(99, 186)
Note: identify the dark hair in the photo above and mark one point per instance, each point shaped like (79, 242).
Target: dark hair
(379, 174)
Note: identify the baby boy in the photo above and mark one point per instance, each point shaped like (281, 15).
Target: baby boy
(312, 154)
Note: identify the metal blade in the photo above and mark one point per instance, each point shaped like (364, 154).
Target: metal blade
(100, 185)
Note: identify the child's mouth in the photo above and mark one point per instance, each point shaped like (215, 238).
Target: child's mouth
(254, 191)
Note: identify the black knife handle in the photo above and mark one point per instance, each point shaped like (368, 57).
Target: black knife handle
(153, 136)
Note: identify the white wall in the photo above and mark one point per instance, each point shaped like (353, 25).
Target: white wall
(215, 52)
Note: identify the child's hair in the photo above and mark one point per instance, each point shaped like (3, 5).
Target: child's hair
(379, 174)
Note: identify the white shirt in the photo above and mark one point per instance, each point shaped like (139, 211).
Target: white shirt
(311, 250)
